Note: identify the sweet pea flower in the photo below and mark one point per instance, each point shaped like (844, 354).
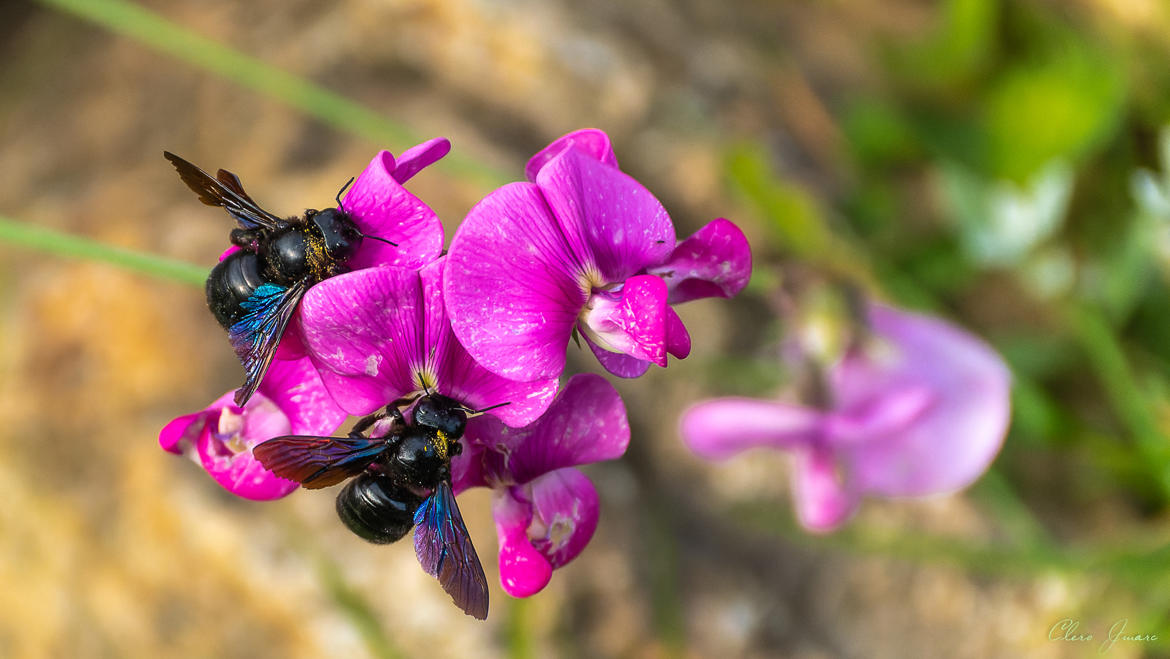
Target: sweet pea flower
(920, 408)
(379, 334)
(581, 247)
(290, 400)
(545, 509)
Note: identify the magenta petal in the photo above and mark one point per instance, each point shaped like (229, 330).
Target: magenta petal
(721, 428)
(383, 208)
(467, 468)
(417, 157)
(632, 321)
(822, 502)
(462, 378)
(226, 443)
(296, 388)
(363, 329)
(586, 423)
(565, 511)
(623, 366)
(714, 262)
(512, 287)
(678, 339)
(945, 445)
(591, 141)
(180, 435)
(891, 413)
(609, 220)
(523, 570)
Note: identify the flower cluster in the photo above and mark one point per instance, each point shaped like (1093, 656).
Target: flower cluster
(581, 247)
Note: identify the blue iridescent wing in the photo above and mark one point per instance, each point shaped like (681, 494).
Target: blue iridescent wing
(225, 191)
(317, 462)
(256, 335)
(445, 551)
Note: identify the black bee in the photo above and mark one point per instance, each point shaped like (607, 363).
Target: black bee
(401, 480)
(254, 291)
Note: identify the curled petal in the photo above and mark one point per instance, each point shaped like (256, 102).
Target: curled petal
(623, 366)
(714, 262)
(612, 223)
(586, 423)
(226, 443)
(632, 321)
(417, 157)
(678, 339)
(822, 501)
(721, 428)
(383, 208)
(590, 141)
(179, 436)
(565, 512)
(524, 571)
(513, 289)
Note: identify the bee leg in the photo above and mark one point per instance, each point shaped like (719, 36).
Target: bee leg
(367, 422)
(248, 239)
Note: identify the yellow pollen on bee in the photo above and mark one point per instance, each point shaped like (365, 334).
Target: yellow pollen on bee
(443, 444)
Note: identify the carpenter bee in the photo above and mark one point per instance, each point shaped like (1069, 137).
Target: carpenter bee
(401, 480)
(254, 291)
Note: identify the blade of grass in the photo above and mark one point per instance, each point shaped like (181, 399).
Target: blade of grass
(157, 32)
(1129, 401)
(63, 244)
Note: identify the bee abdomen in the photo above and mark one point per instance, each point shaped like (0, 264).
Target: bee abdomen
(232, 281)
(376, 509)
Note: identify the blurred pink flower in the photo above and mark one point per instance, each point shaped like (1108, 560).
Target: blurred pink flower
(920, 408)
(290, 401)
(545, 509)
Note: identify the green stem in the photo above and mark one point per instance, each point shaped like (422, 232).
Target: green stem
(1107, 358)
(64, 244)
(518, 628)
(154, 31)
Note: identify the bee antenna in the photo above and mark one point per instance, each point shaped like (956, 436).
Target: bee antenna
(342, 190)
(489, 407)
(381, 240)
(426, 390)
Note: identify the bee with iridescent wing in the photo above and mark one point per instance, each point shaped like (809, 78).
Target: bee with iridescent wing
(254, 291)
(401, 479)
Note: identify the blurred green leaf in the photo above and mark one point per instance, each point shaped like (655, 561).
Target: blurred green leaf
(958, 49)
(790, 213)
(1060, 106)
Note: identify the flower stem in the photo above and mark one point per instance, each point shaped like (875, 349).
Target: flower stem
(155, 31)
(51, 241)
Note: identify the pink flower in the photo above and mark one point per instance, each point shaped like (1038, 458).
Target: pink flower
(920, 409)
(379, 334)
(545, 509)
(290, 400)
(581, 247)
